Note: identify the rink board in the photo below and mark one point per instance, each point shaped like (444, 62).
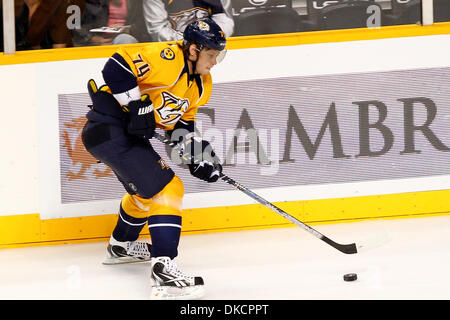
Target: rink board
(31, 230)
(383, 192)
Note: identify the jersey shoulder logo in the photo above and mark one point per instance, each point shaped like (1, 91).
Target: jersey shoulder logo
(167, 54)
(172, 108)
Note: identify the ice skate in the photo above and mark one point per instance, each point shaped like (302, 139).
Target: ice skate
(169, 283)
(127, 252)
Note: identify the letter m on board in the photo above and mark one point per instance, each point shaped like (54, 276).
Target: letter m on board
(141, 66)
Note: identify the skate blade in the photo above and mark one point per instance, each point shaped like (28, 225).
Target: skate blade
(122, 260)
(173, 293)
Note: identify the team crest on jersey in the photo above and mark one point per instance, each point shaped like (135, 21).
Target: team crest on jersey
(167, 54)
(172, 108)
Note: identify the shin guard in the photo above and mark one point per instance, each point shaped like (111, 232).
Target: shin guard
(164, 222)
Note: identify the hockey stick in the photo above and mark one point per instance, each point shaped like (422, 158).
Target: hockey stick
(345, 248)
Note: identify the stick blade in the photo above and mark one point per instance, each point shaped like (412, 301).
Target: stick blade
(344, 248)
(348, 248)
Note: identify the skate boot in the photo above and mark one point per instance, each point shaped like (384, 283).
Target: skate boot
(169, 283)
(127, 252)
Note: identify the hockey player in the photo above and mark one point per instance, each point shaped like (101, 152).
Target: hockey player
(157, 86)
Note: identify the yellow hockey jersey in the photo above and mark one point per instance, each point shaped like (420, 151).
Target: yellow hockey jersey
(162, 73)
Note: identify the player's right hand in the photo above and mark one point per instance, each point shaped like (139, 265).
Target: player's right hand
(141, 118)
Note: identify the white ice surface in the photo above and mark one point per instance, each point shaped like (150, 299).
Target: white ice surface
(279, 263)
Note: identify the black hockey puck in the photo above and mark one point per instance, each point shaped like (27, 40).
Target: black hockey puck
(350, 277)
